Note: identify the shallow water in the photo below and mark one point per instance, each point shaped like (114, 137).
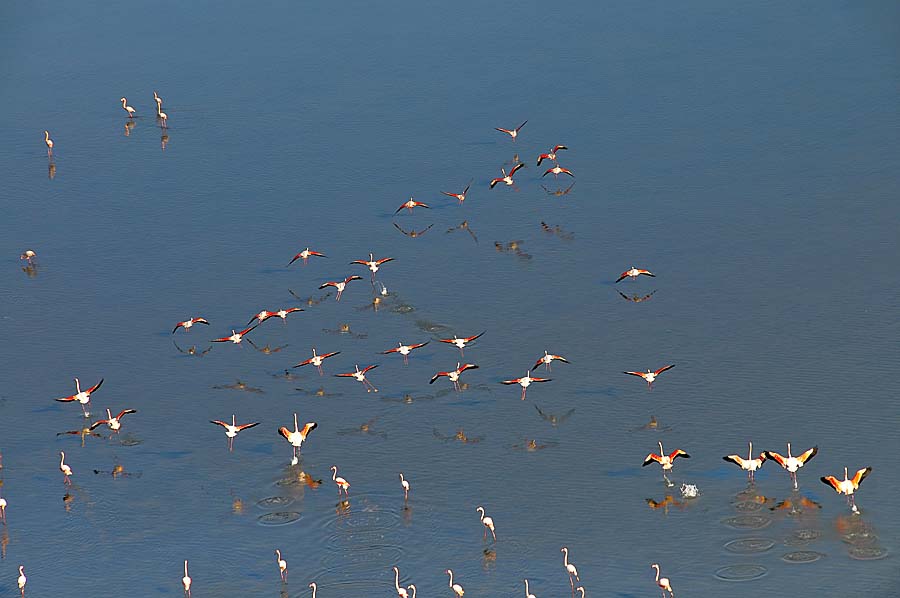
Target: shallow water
(747, 155)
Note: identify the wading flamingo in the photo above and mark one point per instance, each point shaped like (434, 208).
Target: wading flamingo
(488, 524)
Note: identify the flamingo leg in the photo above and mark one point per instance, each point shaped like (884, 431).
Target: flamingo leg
(406, 360)
(338, 298)
(321, 371)
(523, 394)
(230, 445)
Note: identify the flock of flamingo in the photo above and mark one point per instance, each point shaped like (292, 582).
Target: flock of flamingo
(298, 435)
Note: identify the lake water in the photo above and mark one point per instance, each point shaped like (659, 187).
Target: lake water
(747, 155)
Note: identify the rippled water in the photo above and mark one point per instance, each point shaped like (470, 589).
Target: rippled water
(745, 154)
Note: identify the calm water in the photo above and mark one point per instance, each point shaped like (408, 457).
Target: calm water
(747, 155)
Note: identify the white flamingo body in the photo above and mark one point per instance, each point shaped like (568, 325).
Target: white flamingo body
(2, 509)
(282, 566)
(49, 143)
(65, 469)
(405, 485)
(401, 592)
(342, 484)
(488, 524)
(22, 579)
(663, 582)
(127, 108)
(458, 589)
(186, 580)
(570, 568)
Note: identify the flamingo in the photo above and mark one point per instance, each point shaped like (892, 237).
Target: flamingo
(525, 381)
(312, 585)
(633, 273)
(158, 99)
(317, 360)
(65, 469)
(458, 589)
(297, 437)
(127, 108)
(570, 568)
(360, 375)
(512, 133)
(662, 582)
(3, 509)
(113, 423)
(558, 170)
(551, 155)
(282, 566)
(236, 337)
(404, 350)
(412, 587)
(342, 484)
(83, 397)
(283, 313)
(846, 486)
(528, 594)
(49, 143)
(305, 255)
(188, 323)
(488, 524)
(22, 579)
(454, 375)
(232, 429)
(792, 464)
(461, 343)
(460, 196)
(666, 461)
(507, 178)
(340, 285)
(750, 465)
(401, 592)
(547, 358)
(186, 580)
(580, 589)
(373, 264)
(405, 484)
(163, 117)
(28, 256)
(409, 205)
(650, 376)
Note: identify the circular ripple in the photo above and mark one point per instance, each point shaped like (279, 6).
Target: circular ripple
(747, 506)
(747, 522)
(287, 482)
(867, 553)
(802, 537)
(863, 538)
(363, 556)
(749, 545)
(130, 441)
(278, 518)
(274, 502)
(747, 572)
(802, 556)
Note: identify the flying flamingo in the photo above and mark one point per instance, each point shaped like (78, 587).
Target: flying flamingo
(317, 360)
(65, 469)
(305, 255)
(188, 323)
(236, 337)
(663, 582)
(373, 264)
(342, 484)
(633, 273)
(461, 343)
(128, 108)
(297, 437)
(846, 486)
(558, 170)
(113, 423)
(750, 465)
(282, 566)
(405, 484)
(547, 358)
(83, 397)
(49, 143)
(528, 594)
(551, 155)
(507, 178)
(404, 350)
(792, 464)
(454, 375)
(22, 579)
(409, 205)
(232, 429)
(283, 313)
(401, 592)
(186, 581)
(666, 461)
(525, 381)
(340, 285)
(512, 133)
(2, 509)
(458, 589)
(570, 568)
(651, 376)
(360, 375)
(488, 524)
(460, 196)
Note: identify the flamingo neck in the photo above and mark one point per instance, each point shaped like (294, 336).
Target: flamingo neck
(789, 450)
(334, 474)
(566, 557)
(657, 571)
(450, 573)
(185, 569)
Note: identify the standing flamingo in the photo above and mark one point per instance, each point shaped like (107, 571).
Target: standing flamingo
(792, 464)
(2, 510)
(342, 484)
(22, 579)
(580, 589)
(65, 469)
(282, 566)
(401, 592)
(49, 143)
(663, 582)
(458, 589)
(405, 484)
(528, 594)
(163, 118)
(412, 587)
(127, 108)
(312, 585)
(186, 580)
(570, 568)
(488, 524)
